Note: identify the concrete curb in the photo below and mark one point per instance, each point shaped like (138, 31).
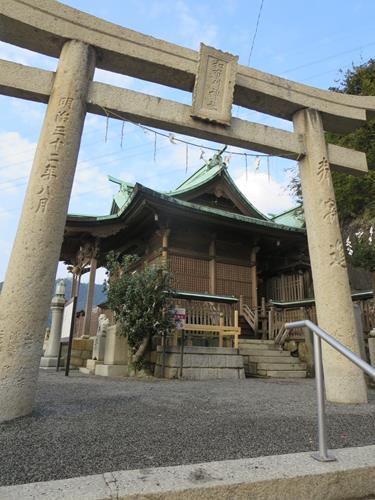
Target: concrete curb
(293, 476)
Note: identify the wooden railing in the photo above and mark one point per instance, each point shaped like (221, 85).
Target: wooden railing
(217, 330)
(206, 313)
(221, 330)
(277, 317)
(288, 287)
(208, 319)
(251, 316)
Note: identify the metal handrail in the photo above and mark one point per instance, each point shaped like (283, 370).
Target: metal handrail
(323, 455)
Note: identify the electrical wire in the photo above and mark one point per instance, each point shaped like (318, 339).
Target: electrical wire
(255, 32)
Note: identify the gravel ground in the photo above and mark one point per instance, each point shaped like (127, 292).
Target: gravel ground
(89, 425)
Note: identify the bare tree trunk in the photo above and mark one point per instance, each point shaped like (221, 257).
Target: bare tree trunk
(141, 349)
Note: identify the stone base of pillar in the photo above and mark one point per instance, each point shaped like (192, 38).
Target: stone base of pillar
(111, 370)
(371, 348)
(50, 362)
(91, 365)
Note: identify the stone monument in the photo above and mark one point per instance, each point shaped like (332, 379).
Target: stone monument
(99, 346)
(49, 359)
(115, 363)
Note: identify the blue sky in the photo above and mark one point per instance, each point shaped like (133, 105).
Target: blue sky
(305, 41)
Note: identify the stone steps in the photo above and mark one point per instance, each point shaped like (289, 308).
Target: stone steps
(266, 352)
(282, 373)
(263, 358)
(256, 342)
(282, 366)
(200, 363)
(259, 347)
(271, 359)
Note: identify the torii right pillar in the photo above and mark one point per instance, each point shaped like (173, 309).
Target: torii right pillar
(345, 383)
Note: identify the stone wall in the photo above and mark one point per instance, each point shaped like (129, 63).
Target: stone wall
(81, 352)
(200, 363)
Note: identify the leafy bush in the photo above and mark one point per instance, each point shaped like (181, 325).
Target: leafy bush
(140, 301)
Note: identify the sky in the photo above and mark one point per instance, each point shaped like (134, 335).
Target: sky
(305, 41)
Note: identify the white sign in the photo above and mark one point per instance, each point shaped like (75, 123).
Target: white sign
(179, 317)
(67, 320)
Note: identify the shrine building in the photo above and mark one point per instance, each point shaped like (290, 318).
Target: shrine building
(223, 253)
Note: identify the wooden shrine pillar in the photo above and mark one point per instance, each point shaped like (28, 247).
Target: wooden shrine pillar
(165, 233)
(212, 267)
(73, 291)
(253, 278)
(90, 296)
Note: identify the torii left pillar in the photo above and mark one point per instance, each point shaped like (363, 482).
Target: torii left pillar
(27, 291)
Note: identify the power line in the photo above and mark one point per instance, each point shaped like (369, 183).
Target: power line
(333, 56)
(92, 191)
(5, 166)
(255, 33)
(82, 169)
(252, 47)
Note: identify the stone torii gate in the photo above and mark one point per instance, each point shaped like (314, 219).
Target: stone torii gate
(83, 42)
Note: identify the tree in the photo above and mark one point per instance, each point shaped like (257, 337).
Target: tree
(140, 301)
(355, 196)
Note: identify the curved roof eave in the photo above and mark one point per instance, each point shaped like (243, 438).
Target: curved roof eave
(140, 192)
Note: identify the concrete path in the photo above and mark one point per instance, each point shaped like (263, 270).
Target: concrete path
(280, 477)
(91, 425)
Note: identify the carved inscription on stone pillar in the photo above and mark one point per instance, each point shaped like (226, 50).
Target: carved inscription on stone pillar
(337, 256)
(214, 85)
(329, 210)
(48, 175)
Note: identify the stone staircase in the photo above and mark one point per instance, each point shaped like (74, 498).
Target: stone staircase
(263, 358)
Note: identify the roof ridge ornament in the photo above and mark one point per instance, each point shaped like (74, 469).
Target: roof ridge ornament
(216, 160)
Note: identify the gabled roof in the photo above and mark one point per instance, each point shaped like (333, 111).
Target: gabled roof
(210, 169)
(209, 176)
(292, 217)
(123, 196)
(212, 177)
(142, 196)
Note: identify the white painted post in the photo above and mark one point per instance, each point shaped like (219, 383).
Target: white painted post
(345, 382)
(28, 285)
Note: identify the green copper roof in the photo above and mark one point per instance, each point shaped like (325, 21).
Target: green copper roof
(122, 197)
(210, 169)
(214, 167)
(292, 217)
(216, 211)
(307, 302)
(142, 191)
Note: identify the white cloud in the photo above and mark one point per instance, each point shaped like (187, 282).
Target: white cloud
(26, 57)
(16, 156)
(190, 27)
(116, 79)
(265, 194)
(89, 180)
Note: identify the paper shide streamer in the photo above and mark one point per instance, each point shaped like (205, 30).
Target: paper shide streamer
(175, 140)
